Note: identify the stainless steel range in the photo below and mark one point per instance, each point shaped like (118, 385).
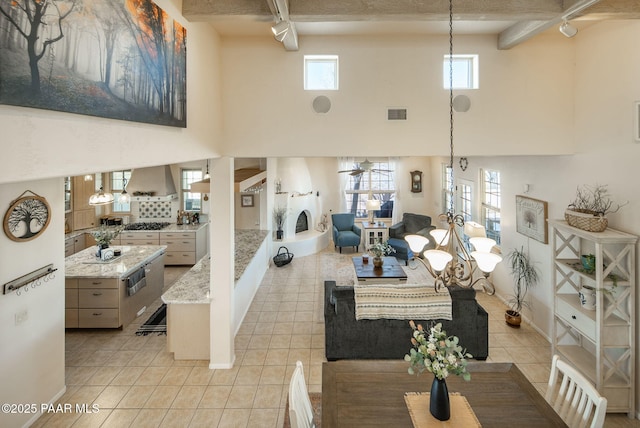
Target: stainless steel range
(146, 226)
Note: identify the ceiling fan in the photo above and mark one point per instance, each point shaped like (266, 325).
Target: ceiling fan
(364, 166)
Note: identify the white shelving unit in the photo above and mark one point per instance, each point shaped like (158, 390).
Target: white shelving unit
(601, 342)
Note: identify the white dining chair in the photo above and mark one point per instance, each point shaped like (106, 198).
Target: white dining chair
(300, 409)
(576, 400)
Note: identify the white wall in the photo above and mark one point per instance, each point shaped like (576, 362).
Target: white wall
(524, 104)
(32, 352)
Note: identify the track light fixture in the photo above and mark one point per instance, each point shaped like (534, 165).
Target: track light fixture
(280, 30)
(567, 29)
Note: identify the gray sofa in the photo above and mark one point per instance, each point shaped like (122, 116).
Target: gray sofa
(348, 338)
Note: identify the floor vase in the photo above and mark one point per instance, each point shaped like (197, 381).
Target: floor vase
(439, 400)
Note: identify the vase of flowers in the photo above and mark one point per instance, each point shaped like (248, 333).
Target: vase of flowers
(104, 236)
(441, 355)
(379, 250)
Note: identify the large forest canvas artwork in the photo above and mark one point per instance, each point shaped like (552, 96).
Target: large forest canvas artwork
(118, 59)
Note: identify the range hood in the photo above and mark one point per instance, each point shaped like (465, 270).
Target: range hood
(152, 184)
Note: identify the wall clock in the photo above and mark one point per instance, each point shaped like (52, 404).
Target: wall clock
(416, 181)
(27, 217)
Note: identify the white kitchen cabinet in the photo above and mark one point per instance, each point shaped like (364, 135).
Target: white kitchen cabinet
(600, 343)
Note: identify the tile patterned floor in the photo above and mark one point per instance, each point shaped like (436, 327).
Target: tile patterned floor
(136, 383)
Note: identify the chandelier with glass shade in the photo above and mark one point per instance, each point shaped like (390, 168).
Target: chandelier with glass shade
(450, 263)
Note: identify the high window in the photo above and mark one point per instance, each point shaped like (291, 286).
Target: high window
(491, 202)
(465, 71)
(190, 201)
(117, 185)
(321, 72)
(377, 177)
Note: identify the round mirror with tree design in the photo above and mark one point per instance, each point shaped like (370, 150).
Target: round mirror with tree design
(27, 217)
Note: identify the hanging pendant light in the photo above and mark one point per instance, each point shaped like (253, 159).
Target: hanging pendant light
(450, 263)
(124, 198)
(101, 197)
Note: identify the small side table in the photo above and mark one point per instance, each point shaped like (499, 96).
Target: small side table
(373, 232)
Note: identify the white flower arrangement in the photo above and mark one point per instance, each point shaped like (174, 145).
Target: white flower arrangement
(106, 234)
(437, 353)
(380, 249)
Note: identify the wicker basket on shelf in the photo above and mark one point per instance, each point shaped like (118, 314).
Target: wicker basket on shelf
(588, 221)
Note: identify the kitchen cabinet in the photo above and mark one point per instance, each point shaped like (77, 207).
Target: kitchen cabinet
(139, 238)
(84, 215)
(96, 292)
(185, 247)
(75, 243)
(600, 343)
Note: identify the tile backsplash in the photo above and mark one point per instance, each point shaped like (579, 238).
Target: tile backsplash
(156, 210)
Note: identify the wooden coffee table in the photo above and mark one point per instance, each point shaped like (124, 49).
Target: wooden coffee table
(391, 271)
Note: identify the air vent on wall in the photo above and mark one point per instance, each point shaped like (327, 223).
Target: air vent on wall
(397, 114)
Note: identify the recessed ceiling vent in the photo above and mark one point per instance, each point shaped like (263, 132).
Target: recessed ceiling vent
(397, 114)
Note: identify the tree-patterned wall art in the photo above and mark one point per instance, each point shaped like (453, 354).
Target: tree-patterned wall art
(118, 59)
(27, 217)
(531, 218)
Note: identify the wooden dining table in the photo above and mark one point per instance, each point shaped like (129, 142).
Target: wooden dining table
(370, 393)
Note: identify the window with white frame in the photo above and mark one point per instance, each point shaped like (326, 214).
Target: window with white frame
(381, 178)
(190, 201)
(465, 199)
(447, 186)
(117, 186)
(491, 202)
(321, 72)
(465, 71)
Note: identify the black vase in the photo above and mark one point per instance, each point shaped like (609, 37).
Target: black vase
(279, 234)
(439, 400)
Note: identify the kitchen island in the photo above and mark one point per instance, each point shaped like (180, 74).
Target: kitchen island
(112, 293)
(188, 301)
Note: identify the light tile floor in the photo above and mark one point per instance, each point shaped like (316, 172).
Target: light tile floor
(135, 382)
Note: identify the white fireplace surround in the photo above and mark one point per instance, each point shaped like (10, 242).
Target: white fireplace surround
(309, 204)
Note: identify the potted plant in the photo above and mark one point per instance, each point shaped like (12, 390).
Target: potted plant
(279, 215)
(590, 207)
(104, 235)
(379, 250)
(526, 276)
(442, 355)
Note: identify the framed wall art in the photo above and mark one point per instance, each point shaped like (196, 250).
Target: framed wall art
(27, 217)
(531, 218)
(118, 59)
(246, 200)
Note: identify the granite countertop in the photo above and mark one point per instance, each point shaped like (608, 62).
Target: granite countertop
(85, 264)
(193, 286)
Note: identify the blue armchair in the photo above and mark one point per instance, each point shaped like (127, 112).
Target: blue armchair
(411, 224)
(345, 231)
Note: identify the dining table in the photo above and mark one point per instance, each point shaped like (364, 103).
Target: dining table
(371, 393)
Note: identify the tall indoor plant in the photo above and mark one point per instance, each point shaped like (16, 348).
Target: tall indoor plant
(279, 215)
(526, 276)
